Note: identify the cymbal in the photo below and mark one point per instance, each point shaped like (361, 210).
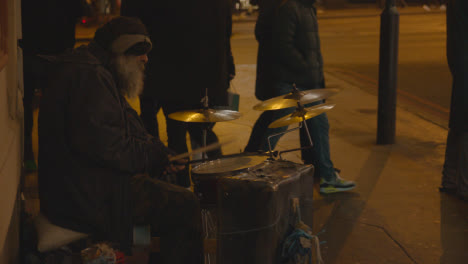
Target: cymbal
(301, 115)
(291, 99)
(205, 115)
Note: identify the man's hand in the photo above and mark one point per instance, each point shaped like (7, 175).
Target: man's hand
(175, 166)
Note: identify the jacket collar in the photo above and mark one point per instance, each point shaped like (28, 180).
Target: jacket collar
(102, 55)
(90, 54)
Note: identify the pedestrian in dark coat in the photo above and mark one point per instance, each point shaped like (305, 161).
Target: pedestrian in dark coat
(92, 144)
(191, 55)
(298, 60)
(455, 171)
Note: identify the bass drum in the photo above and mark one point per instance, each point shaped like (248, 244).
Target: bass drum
(205, 176)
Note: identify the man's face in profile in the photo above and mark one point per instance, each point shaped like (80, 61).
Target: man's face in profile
(131, 72)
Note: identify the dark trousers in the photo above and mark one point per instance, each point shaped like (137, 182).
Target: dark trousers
(381, 3)
(173, 214)
(455, 170)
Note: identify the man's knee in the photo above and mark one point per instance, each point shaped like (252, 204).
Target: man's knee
(183, 211)
(190, 203)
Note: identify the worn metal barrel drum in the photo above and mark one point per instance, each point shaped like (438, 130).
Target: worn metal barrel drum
(206, 175)
(255, 210)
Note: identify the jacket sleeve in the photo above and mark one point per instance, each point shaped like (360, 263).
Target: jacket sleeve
(284, 39)
(99, 131)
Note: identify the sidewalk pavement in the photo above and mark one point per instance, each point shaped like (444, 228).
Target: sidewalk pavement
(396, 214)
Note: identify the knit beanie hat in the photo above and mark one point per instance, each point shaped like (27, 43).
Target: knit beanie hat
(124, 35)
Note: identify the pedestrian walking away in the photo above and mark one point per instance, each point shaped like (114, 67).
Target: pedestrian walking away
(296, 59)
(455, 170)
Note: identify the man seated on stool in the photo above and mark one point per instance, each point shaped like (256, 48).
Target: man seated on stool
(98, 167)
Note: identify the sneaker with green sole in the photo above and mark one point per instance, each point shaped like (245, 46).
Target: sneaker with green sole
(338, 185)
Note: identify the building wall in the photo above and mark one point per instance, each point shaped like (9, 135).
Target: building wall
(10, 134)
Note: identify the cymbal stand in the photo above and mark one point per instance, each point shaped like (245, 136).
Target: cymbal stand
(299, 108)
(279, 134)
(204, 100)
(295, 91)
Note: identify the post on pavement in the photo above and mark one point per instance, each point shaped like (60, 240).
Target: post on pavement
(388, 65)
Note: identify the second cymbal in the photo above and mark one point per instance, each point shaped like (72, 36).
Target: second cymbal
(205, 115)
(291, 99)
(301, 115)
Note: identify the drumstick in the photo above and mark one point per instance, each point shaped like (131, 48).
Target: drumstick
(202, 149)
(196, 151)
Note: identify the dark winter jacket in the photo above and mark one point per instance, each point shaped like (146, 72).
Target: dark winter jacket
(457, 57)
(264, 82)
(296, 44)
(190, 49)
(90, 143)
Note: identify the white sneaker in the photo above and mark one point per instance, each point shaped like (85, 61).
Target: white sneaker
(427, 8)
(443, 7)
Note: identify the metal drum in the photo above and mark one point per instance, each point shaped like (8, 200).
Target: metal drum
(206, 175)
(256, 209)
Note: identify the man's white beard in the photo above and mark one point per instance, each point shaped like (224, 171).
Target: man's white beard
(131, 74)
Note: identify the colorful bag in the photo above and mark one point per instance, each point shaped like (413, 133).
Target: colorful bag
(102, 253)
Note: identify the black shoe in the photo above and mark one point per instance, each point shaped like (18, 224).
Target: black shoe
(446, 190)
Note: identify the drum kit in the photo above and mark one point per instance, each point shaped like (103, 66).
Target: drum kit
(208, 175)
(208, 171)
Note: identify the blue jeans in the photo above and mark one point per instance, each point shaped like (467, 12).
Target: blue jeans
(318, 155)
